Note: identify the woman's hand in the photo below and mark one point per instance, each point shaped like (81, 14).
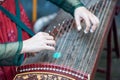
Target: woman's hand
(40, 41)
(91, 21)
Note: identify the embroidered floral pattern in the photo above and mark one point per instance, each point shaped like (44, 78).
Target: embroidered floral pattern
(41, 76)
(8, 30)
(11, 36)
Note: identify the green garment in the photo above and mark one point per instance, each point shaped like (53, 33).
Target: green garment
(68, 5)
(10, 53)
(10, 49)
(14, 58)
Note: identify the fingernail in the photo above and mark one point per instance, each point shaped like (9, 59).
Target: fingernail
(85, 32)
(91, 31)
(79, 28)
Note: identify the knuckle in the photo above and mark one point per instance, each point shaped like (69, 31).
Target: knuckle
(40, 33)
(52, 37)
(93, 28)
(95, 24)
(87, 29)
(54, 42)
(97, 21)
(88, 26)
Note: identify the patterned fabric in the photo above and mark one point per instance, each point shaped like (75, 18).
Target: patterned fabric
(41, 76)
(8, 33)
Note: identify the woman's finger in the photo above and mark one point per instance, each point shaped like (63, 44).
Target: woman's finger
(50, 42)
(78, 22)
(49, 37)
(49, 47)
(95, 23)
(43, 33)
(87, 22)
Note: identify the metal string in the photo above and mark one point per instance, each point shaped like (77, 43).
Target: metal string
(65, 39)
(57, 36)
(109, 3)
(48, 31)
(85, 55)
(78, 55)
(70, 49)
(75, 47)
(93, 41)
(79, 50)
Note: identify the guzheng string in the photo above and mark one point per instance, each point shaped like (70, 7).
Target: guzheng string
(61, 31)
(83, 63)
(104, 15)
(65, 23)
(84, 59)
(78, 50)
(75, 55)
(86, 62)
(57, 54)
(69, 49)
(63, 40)
(75, 51)
(89, 57)
(57, 35)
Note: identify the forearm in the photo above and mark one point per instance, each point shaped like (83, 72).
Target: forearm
(10, 49)
(67, 5)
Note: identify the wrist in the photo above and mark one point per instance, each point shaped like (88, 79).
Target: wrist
(20, 47)
(80, 5)
(24, 47)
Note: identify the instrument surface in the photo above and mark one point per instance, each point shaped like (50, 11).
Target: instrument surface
(77, 53)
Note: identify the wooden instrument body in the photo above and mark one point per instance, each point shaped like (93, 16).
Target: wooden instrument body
(80, 54)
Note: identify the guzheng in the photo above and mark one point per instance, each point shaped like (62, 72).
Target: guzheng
(77, 53)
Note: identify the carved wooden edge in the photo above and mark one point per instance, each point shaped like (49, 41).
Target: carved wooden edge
(52, 68)
(42, 73)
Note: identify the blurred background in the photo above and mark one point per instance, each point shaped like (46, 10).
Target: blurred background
(44, 8)
(46, 11)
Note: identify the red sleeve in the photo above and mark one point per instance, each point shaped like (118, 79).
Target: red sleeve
(25, 20)
(24, 17)
(7, 72)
